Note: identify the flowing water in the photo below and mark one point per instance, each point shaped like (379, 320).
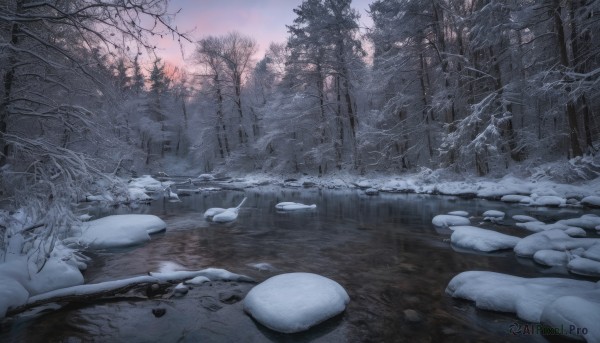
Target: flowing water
(383, 250)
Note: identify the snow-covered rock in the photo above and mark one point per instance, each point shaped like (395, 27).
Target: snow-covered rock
(84, 217)
(584, 266)
(138, 194)
(293, 206)
(576, 232)
(206, 177)
(551, 240)
(527, 297)
(551, 258)
(459, 213)
(148, 183)
(295, 302)
(12, 294)
(538, 226)
(515, 198)
(228, 215)
(470, 237)
(593, 252)
(586, 221)
(578, 315)
(523, 218)
(592, 201)
(198, 280)
(371, 191)
(548, 200)
(493, 214)
(117, 231)
(446, 220)
(211, 212)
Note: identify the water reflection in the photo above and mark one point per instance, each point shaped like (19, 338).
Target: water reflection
(382, 249)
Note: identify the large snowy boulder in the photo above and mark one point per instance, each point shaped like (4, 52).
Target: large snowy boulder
(527, 297)
(551, 240)
(578, 315)
(470, 237)
(118, 231)
(586, 221)
(445, 220)
(591, 201)
(148, 183)
(295, 302)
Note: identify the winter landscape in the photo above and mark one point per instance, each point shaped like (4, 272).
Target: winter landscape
(302, 171)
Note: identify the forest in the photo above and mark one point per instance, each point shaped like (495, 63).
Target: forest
(474, 87)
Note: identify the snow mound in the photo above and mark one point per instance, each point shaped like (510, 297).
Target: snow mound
(295, 302)
(551, 258)
(371, 191)
(211, 212)
(198, 280)
(584, 266)
(579, 316)
(118, 231)
(206, 177)
(551, 240)
(586, 221)
(528, 298)
(138, 194)
(446, 220)
(493, 214)
(470, 237)
(548, 200)
(538, 226)
(591, 201)
(576, 232)
(515, 198)
(293, 206)
(12, 294)
(148, 183)
(459, 213)
(524, 218)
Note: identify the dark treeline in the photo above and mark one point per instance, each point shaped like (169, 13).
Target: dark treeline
(475, 86)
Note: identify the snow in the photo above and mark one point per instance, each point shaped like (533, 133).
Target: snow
(459, 213)
(84, 217)
(540, 226)
(593, 252)
(117, 231)
(548, 200)
(206, 177)
(584, 266)
(295, 302)
(211, 212)
(213, 274)
(138, 194)
(551, 258)
(198, 280)
(445, 220)
(579, 316)
(372, 191)
(551, 240)
(586, 221)
(293, 206)
(592, 201)
(527, 297)
(148, 183)
(225, 216)
(12, 294)
(576, 232)
(470, 237)
(18, 281)
(262, 266)
(493, 214)
(524, 218)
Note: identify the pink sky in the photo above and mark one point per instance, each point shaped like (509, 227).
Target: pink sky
(264, 20)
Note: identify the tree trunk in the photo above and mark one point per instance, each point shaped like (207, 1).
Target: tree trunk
(8, 82)
(564, 60)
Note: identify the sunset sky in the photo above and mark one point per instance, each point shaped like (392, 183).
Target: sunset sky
(264, 20)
